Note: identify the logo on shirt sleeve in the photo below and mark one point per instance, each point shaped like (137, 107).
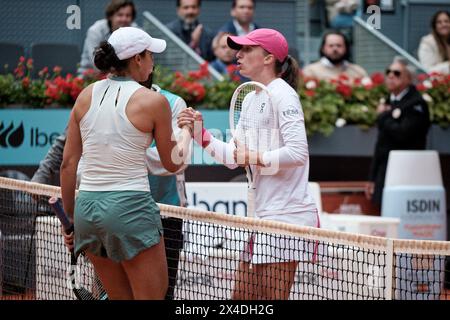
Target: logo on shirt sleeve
(291, 111)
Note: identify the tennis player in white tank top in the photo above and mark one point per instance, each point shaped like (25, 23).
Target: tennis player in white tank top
(113, 122)
(284, 196)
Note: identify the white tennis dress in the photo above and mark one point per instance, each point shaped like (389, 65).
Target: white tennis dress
(113, 148)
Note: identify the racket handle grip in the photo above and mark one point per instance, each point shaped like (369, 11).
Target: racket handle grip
(251, 202)
(57, 207)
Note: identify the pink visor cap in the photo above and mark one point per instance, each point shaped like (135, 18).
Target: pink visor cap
(270, 40)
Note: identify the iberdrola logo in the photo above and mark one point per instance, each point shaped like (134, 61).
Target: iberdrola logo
(11, 136)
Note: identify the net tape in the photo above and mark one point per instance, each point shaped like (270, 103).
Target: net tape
(333, 265)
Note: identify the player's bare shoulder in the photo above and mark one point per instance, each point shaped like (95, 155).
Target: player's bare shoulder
(83, 102)
(149, 101)
(85, 95)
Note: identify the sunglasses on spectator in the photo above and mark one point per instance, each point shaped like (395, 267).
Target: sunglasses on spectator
(395, 72)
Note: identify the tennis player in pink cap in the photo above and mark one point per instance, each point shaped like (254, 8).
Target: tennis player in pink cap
(267, 271)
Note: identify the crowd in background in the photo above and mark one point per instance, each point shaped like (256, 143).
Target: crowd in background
(335, 51)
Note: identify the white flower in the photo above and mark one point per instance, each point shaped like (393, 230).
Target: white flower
(340, 122)
(427, 97)
(311, 85)
(427, 84)
(366, 81)
(382, 101)
(364, 109)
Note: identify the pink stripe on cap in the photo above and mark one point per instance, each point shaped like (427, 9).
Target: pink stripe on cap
(269, 39)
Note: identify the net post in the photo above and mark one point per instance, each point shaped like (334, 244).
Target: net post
(389, 269)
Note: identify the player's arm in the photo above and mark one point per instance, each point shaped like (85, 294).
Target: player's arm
(294, 152)
(154, 165)
(173, 151)
(73, 150)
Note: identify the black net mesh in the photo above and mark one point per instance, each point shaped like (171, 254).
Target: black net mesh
(215, 260)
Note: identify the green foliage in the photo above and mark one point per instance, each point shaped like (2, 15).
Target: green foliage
(325, 104)
(321, 104)
(9, 93)
(219, 93)
(436, 91)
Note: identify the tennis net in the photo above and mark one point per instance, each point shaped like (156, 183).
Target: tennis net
(332, 265)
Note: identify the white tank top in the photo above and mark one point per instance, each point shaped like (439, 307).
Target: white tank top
(113, 148)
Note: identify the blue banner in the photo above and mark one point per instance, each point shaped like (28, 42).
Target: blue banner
(27, 134)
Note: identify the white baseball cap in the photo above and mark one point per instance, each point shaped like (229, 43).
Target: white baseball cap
(130, 41)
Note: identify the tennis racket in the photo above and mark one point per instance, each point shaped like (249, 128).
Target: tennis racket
(254, 123)
(80, 284)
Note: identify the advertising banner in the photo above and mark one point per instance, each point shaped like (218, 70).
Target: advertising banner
(27, 134)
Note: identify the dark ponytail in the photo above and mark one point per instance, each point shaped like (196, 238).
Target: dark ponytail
(288, 71)
(106, 60)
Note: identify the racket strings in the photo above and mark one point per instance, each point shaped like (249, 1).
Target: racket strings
(254, 119)
(87, 284)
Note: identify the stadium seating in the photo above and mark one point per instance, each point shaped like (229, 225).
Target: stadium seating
(9, 56)
(66, 56)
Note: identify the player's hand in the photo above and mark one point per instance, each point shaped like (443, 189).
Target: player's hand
(68, 239)
(198, 128)
(186, 118)
(195, 119)
(198, 117)
(368, 190)
(243, 156)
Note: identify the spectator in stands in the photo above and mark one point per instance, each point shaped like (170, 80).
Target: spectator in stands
(119, 13)
(224, 54)
(188, 28)
(334, 53)
(403, 122)
(340, 13)
(225, 62)
(242, 12)
(434, 49)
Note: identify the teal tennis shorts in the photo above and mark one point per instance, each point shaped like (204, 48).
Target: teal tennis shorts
(116, 224)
